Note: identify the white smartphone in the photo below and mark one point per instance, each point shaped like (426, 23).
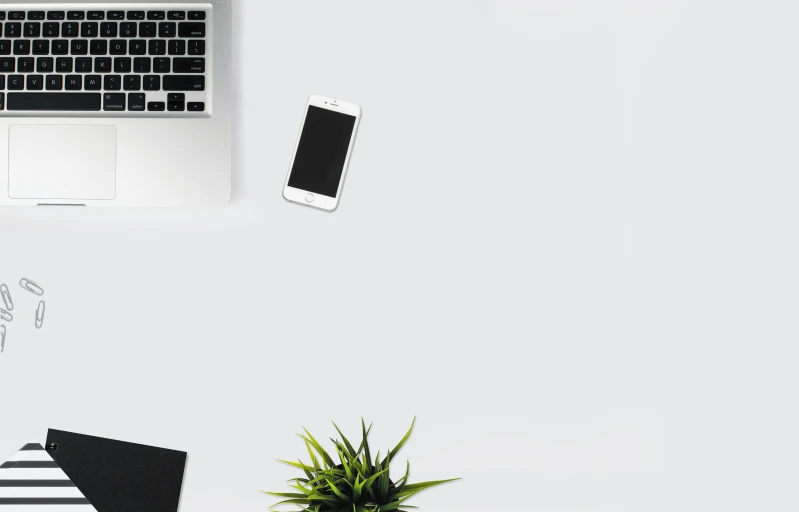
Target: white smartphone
(322, 154)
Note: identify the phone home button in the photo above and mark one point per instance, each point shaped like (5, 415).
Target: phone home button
(309, 198)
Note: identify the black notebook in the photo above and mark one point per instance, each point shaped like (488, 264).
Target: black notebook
(119, 477)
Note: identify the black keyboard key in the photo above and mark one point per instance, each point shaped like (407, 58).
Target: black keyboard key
(118, 47)
(35, 83)
(16, 83)
(73, 83)
(138, 47)
(63, 65)
(56, 15)
(102, 65)
(76, 15)
(93, 83)
(142, 65)
(122, 65)
(5, 47)
(161, 65)
(2, 15)
(176, 102)
(45, 64)
(2, 100)
(25, 64)
(189, 29)
(189, 65)
(2, 82)
(156, 15)
(128, 29)
(114, 102)
(98, 47)
(96, 15)
(196, 47)
(56, 101)
(196, 15)
(41, 47)
(132, 83)
(50, 29)
(32, 30)
(167, 29)
(136, 15)
(152, 83)
(147, 29)
(177, 47)
(54, 83)
(176, 15)
(156, 106)
(13, 30)
(16, 15)
(7, 64)
(89, 29)
(112, 83)
(108, 29)
(70, 29)
(157, 47)
(80, 47)
(23, 47)
(60, 47)
(116, 15)
(36, 15)
(136, 102)
(184, 83)
(83, 65)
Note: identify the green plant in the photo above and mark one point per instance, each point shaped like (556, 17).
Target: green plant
(356, 484)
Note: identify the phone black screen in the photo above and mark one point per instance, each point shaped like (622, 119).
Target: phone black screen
(322, 151)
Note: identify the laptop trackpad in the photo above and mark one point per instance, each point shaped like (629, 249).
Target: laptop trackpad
(62, 162)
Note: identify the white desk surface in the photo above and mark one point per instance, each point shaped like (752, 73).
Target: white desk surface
(567, 243)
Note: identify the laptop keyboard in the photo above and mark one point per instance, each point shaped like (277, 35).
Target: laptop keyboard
(119, 62)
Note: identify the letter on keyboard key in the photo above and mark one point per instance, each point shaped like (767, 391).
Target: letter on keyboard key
(184, 83)
(74, 83)
(55, 101)
(7, 64)
(93, 83)
(16, 83)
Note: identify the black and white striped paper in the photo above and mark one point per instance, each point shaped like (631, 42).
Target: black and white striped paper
(32, 481)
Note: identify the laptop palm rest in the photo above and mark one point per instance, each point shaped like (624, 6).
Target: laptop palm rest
(72, 162)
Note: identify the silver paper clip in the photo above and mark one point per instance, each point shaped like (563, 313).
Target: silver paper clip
(6, 296)
(31, 286)
(40, 315)
(2, 338)
(5, 315)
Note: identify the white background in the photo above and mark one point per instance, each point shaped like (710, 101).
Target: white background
(567, 243)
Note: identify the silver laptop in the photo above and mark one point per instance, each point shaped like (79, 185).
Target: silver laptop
(115, 103)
